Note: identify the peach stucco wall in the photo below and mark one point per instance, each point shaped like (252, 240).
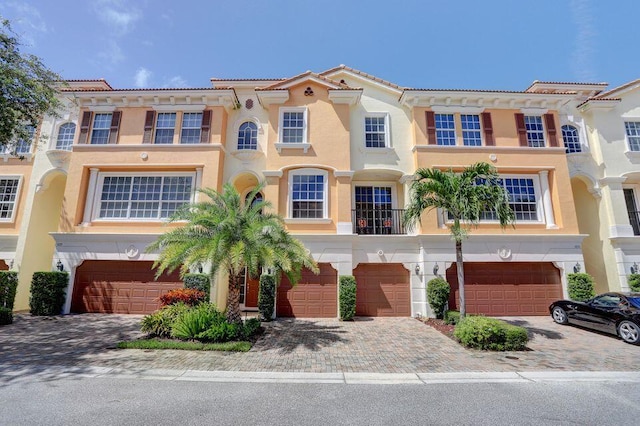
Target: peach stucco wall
(15, 167)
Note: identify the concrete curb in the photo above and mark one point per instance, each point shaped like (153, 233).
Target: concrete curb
(13, 373)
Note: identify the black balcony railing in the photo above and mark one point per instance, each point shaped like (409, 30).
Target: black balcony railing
(378, 221)
(634, 218)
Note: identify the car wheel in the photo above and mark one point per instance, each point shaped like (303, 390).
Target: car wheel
(559, 315)
(629, 332)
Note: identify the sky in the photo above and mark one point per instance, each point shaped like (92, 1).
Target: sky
(490, 44)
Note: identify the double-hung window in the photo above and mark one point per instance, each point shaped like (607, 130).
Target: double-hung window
(445, 129)
(471, 135)
(143, 197)
(376, 132)
(308, 194)
(66, 133)
(23, 146)
(632, 129)
(535, 131)
(165, 127)
(523, 198)
(101, 128)
(9, 188)
(191, 127)
(293, 125)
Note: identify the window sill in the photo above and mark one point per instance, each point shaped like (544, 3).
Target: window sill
(27, 157)
(282, 145)
(633, 155)
(247, 154)
(296, 221)
(377, 151)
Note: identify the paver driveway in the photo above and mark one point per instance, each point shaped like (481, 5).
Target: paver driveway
(386, 345)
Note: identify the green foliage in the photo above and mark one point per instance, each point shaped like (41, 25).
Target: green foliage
(196, 320)
(48, 291)
(6, 316)
(8, 286)
(187, 346)
(267, 296)
(581, 286)
(251, 327)
(347, 297)
(490, 334)
(28, 89)
(451, 317)
(200, 282)
(221, 332)
(634, 282)
(188, 296)
(438, 290)
(160, 322)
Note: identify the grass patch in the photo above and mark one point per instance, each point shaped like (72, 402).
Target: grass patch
(186, 346)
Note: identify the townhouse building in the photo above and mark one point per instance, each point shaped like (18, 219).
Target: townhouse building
(337, 151)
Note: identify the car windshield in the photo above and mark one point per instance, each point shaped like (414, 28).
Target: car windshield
(635, 301)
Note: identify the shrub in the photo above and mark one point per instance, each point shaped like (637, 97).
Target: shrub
(451, 317)
(634, 282)
(267, 296)
(188, 296)
(160, 322)
(251, 327)
(200, 282)
(438, 295)
(222, 332)
(8, 286)
(48, 291)
(347, 297)
(6, 316)
(490, 334)
(580, 286)
(194, 321)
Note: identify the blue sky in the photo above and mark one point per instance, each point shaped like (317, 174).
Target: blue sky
(491, 44)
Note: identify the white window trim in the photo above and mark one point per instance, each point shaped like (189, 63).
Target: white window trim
(12, 219)
(387, 132)
(93, 128)
(100, 183)
(54, 141)
(628, 151)
(182, 127)
(366, 183)
(544, 131)
(175, 127)
(325, 201)
(480, 130)
(455, 133)
(304, 145)
(582, 134)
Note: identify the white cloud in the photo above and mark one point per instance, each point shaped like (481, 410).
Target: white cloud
(175, 82)
(142, 77)
(27, 22)
(112, 53)
(118, 15)
(583, 55)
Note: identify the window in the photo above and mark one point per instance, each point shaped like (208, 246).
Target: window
(293, 125)
(191, 127)
(571, 139)
(375, 131)
(24, 146)
(471, 135)
(143, 196)
(165, 126)
(373, 210)
(523, 199)
(66, 133)
(632, 209)
(535, 131)
(9, 187)
(308, 194)
(101, 127)
(445, 129)
(632, 129)
(248, 136)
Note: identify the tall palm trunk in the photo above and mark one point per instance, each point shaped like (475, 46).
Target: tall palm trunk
(460, 269)
(233, 299)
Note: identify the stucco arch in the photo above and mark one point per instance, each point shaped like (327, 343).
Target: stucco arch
(591, 183)
(48, 176)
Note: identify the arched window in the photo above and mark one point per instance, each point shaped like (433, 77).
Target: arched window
(571, 139)
(248, 136)
(65, 136)
(256, 199)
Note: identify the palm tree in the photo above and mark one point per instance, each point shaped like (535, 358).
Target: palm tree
(231, 235)
(467, 197)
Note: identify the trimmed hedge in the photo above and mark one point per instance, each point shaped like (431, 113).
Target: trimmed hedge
(490, 334)
(200, 282)
(188, 296)
(581, 286)
(634, 282)
(347, 297)
(452, 317)
(438, 290)
(267, 296)
(48, 291)
(8, 286)
(6, 316)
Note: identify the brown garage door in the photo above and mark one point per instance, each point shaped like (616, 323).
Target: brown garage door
(3, 266)
(122, 287)
(506, 289)
(315, 296)
(382, 290)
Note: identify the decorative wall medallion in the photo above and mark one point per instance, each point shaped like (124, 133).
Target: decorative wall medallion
(504, 253)
(132, 251)
(248, 103)
(308, 92)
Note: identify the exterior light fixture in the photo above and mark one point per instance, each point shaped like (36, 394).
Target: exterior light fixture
(417, 269)
(59, 266)
(634, 268)
(577, 267)
(436, 268)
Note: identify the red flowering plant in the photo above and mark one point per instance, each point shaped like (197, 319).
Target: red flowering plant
(188, 296)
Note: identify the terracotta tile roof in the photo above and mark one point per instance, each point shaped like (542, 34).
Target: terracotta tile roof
(246, 79)
(328, 80)
(608, 93)
(487, 91)
(164, 89)
(363, 74)
(597, 98)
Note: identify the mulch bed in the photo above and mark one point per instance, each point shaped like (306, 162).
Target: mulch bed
(438, 324)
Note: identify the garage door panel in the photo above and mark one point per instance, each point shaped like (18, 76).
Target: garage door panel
(382, 290)
(315, 296)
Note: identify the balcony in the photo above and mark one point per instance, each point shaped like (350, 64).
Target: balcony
(634, 218)
(378, 221)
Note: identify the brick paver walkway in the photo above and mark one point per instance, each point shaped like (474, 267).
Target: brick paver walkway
(385, 345)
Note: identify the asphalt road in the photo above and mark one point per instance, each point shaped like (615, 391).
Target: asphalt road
(118, 401)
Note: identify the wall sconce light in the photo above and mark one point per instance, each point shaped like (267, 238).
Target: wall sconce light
(436, 268)
(577, 267)
(59, 266)
(634, 268)
(417, 269)
(199, 268)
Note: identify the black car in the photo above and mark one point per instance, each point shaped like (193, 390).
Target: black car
(615, 313)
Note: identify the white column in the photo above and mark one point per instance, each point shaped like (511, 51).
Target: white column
(91, 192)
(198, 185)
(546, 199)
